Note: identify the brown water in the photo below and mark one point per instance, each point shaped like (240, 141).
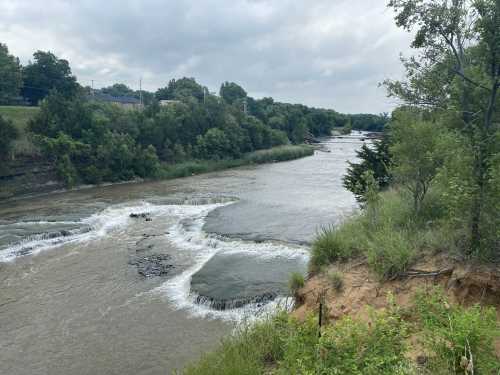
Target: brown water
(72, 300)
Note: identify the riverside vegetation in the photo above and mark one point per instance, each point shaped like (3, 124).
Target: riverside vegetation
(89, 141)
(430, 186)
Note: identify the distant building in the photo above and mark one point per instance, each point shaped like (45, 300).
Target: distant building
(122, 101)
(165, 102)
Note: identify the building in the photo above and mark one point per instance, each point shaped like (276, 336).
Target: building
(122, 101)
(165, 102)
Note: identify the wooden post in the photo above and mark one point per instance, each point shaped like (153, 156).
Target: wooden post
(320, 318)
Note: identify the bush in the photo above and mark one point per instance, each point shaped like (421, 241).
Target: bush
(364, 348)
(390, 252)
(248, 351)
(452, 333)
(337, 244)
(296, 282)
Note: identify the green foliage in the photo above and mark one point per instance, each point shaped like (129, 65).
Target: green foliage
(415, 154)
(281, 345)
(230, 92)
(296, 282)
(369, 122)
(375, 159)
(10, 76)
(452, 334)
(8, 133)
(181, 89)
(47, 73)
(279, 153)
(248, 352)
(337, 244)
(355, 347)
(388, 234)
(456, 78)
(214, 145)
(390, 252)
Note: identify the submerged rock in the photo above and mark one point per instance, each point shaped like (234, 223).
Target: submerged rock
(152, 265)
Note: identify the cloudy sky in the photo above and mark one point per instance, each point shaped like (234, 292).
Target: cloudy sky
(324, 53)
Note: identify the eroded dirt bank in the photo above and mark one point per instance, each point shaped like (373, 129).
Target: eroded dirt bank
(361, 290)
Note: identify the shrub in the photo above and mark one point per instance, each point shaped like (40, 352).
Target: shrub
(347, 347)
(248, 351)
(296, 282)
(390, 252)
(452, 333)
(333, 244)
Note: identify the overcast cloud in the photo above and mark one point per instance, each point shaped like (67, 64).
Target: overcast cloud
(324, 53)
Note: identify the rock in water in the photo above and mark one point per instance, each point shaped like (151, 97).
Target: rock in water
(152, 265)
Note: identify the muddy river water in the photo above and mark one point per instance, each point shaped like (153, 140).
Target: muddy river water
(87, 289)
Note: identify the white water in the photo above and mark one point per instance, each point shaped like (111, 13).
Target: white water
(188, 235)
(185, 235)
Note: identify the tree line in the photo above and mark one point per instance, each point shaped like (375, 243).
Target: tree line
(90, 141)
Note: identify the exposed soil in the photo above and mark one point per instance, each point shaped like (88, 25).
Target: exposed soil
(361, 290)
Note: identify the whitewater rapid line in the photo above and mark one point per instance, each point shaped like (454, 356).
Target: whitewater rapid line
(186, 235)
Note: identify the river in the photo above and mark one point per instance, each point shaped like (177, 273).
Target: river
(88, 289)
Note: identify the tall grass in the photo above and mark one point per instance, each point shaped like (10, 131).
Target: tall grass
(250, 351)
(388, 235)
(282, 345)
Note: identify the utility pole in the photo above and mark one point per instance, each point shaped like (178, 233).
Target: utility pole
(92, 91)
(245, 106)
(140, 91)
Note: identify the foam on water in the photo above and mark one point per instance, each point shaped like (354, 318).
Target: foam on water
(188, 235)
(91, 228)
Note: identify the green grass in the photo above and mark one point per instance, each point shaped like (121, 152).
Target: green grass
(296, 282)
(20, 117)
(275, 154)
(281, 345)
(388, 235)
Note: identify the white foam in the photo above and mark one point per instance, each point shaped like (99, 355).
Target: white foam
(188, 235)
(95, 226)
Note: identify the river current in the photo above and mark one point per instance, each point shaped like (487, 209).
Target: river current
(142, 278)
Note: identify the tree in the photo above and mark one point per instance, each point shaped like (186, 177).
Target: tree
(213, 145)
(415, 157)
(10, 76)
(458, 69)
(8, 133)
(230, 92)
(374, 159)
(118, 89)
(300, 132)
(45, 74)
(181, 89)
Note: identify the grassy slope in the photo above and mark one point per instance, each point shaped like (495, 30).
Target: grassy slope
(20, 116)
(390, 239)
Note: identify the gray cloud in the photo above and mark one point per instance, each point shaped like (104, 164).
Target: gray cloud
(322, 53)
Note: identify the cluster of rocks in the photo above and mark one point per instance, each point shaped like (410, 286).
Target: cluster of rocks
(152, 265)
(141, 215)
